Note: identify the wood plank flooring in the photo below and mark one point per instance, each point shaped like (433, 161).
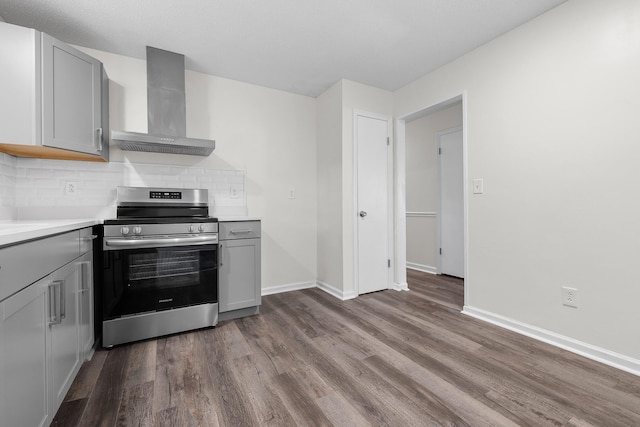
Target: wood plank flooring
(384, 359)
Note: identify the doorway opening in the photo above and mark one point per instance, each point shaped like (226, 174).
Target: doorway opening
(431, 224)
(450, 208)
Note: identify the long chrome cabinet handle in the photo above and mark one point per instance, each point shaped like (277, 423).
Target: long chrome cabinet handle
(63, 300)
(55, 296)
(99, 140)
(243, 231)
(86, 273)
(53, 307)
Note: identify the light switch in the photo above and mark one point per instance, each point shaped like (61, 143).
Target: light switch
(478, 186)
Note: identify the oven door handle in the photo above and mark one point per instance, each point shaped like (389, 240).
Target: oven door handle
(161, 242)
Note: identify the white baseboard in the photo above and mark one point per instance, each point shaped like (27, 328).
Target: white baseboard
(336, 292)
(308, 285)
(287, 288)
(423, 268)
(589, 351)
(400, 286)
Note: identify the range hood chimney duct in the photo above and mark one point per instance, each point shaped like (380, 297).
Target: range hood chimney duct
(166, 111)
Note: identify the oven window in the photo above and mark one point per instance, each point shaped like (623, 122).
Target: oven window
(142, 280)
(165, 268)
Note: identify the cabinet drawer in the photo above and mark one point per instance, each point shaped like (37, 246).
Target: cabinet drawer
(25, 263)
(239, 230)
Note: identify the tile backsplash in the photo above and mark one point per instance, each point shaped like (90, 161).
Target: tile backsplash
(38, 188)
(7, 185)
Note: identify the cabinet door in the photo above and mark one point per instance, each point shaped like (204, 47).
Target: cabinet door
(20, 85)
(239, 274)
(23, 357)
(85, 305)
(64, 344)
(71, 98)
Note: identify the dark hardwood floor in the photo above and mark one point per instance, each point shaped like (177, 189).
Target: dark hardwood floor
(386, 358)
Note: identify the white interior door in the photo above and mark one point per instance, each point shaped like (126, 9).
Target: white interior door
(373, 153)
(451, 203)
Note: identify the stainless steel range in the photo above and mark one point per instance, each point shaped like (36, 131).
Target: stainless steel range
(160, 271)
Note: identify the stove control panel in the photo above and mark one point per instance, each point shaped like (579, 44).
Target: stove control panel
(165, 195)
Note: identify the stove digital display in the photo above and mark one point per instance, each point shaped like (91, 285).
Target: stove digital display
(165, 194)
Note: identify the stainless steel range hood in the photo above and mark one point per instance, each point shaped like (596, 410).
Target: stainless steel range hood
(165, 110)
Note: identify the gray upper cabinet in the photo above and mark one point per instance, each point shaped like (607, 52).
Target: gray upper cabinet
(71, 98)
(55, 98)
(20, 85)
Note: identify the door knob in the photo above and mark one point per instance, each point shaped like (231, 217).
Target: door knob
(363, 214)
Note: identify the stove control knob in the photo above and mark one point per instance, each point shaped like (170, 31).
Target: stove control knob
(201, 227)
(137, 230)
(192, 229)
(124, 230)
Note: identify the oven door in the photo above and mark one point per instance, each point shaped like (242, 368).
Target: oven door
(139, 280)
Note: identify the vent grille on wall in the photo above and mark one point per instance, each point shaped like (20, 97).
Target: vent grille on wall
(132, 141)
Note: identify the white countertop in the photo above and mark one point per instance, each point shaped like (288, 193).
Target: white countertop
(12, 232)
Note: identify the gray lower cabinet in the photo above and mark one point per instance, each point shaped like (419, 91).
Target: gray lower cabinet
(45, 327)
(64, 349)
(54, 100)
(85, 305)
(85, 293)
(239, 282)
(24, 330)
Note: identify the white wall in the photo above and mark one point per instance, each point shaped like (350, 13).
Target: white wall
(269, 134)
(552, 127)
(336, 210)
(422, 185)
(355, 96)
(329, 170)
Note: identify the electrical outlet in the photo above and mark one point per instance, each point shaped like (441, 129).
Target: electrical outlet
(292, 193)
(569, 297)
(70, 188)
(235, 191)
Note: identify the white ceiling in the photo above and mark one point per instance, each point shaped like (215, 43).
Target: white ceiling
(300, 46)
